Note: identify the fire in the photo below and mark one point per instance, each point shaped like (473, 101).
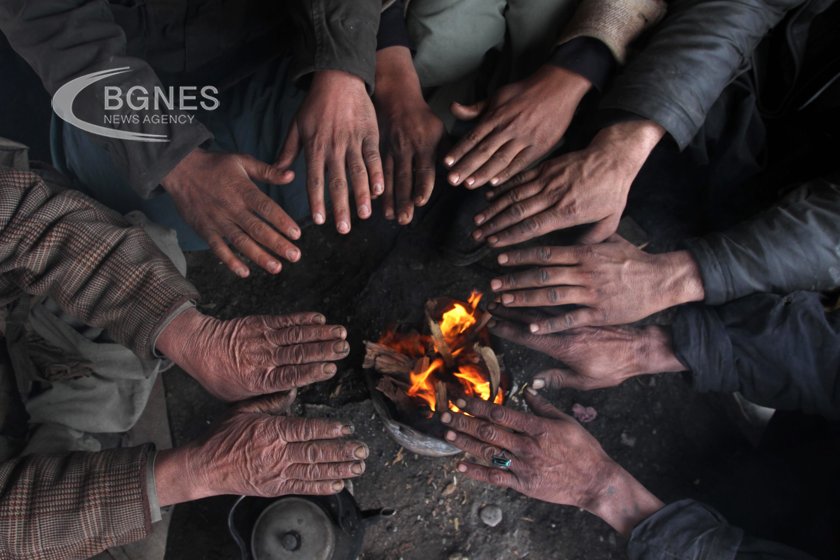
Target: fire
(464, 375)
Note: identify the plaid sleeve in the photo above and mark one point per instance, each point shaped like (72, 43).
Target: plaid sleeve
(95, 265)
(73, 506)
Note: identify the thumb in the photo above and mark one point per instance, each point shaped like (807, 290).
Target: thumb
(277, 404)
(261, 171)
(467, 112)
(542, 407)
(557, 378)
(291, 148)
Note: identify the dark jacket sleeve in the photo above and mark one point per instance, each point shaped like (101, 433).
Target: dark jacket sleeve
(688, 530)
(73, 506)
(336, 35)
(64, 39)
(793, 246)
(96, 266)
(777, 351)
(698, 49)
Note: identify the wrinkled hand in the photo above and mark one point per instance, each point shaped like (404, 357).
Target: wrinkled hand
(216, 195)
(336, 128)
(259, 452)
(517, 126)
(251, 356)
(590, 358)
(411, 133)
(585, 187)
(553, 459)
(615, 282)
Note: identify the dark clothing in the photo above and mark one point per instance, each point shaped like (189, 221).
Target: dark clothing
(795, 245)
(586, 56)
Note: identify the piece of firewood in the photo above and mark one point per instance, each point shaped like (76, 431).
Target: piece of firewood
(387, 360)
(394, 392)
(441, 400)
(491, 362)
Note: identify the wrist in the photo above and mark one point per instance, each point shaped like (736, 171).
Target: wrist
(175, 341)
(622, 501)
(630, 142)
(562, 80)
(175, 481)
(182, 171)
(681, 278)
(397, 83)
(655, 352)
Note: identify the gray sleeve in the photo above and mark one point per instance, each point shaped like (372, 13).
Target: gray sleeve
(793, 246)
(689, 530)
(65, 39)
(698, 49)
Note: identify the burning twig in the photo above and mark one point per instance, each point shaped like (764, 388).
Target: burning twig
(385, 359)
(491, 362)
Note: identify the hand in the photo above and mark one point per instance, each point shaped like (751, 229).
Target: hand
(336, 128)
(216, 195)
(585, 187)
(252, 356)
(553, 459)
(411, 134)
(520, 124)
(259, 452)
(615, 282)
(591, 358)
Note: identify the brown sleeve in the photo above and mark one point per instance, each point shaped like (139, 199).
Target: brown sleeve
(95, 265)
(73, 506)
(615, 23)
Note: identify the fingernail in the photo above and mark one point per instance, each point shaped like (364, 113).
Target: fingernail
(364, 211)
(450, 436)
(389, 215)
(361, 452)
(273, 266)
(470, 181)
(449, 162)
(477, 234)
(504, 258)
(419, 201)
(341, 347)
(507, 298)
(489, 195)
(496, 284)
(343, 228)
(538, 384)
(492, 306)
(358, 468)
(446, 417)
(378, 189)
(348, 430)
(493, 323)
(535, 328)
(242, 272)
(493, 240)
(461, 403)
(454, 179)
(320, 319)
(318, 218)
(480, 219)
(462, 467)
(340, 332)
(294, 233)
(494, 181)
(330, 369)
(531, 392)
(403, 218)
(293, 255)
(338, 486)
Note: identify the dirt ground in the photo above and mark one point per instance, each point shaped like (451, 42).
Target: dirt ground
(674, 440)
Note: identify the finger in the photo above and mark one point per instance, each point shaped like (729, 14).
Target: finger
(516, 181)
(494, 476)
(373, 161)
(273, 405)
(315, 161)
(327, 451)
(478, 156)
(307, 430)
(388, 195)
(538, 277)
(338, 190)
(404, 176)
(472, 446)
(467, 112)
(268, 237)
(263, 205)
(300, 334)
(553, 296)
(530, 228)
(311, 487)
(360, 181)
(540, 256)
(515, 214)
(522, 336)
(520, 163)
(424, 177)
(230, 260)
(542, 407)
(497, 162)
(508, 200)
(243, 242)
(288, 377)
(313, 352)
(304, 318)
(325, 471)
(264, 172)
(501, 415)
(600, 231)
(291, 148)
(483, 431)
(583, 317)
(516, 315)
(556, 378)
